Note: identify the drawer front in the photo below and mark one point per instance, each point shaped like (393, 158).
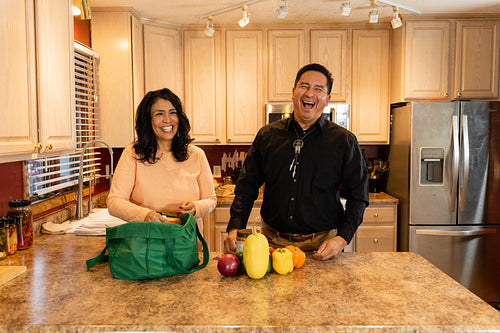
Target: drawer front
(379, 214)
(375, 239)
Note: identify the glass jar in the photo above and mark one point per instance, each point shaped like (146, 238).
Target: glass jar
(3, 238)
(23, 219)
(241, 236)
(11, 234)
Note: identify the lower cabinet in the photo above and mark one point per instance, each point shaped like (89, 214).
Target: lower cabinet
(377, 232)
(216, 233)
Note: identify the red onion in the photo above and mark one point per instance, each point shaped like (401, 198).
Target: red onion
(228, 264)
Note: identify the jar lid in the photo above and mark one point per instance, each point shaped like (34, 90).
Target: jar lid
(19, 203)
(243, 233)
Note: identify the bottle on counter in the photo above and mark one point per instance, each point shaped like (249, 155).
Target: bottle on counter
(11, 235)
(3, 238)
(23, 219)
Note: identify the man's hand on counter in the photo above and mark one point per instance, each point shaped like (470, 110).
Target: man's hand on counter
(230, 242)
(330, 248)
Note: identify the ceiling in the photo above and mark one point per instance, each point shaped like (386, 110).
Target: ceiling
(187, 12)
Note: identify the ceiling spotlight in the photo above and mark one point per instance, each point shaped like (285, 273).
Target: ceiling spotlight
(373, 15)
(244, 20)
(396, 20)
(209, 30)
(282, 9)
(346, 8)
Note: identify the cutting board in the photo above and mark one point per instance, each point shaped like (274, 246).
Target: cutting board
(7, 273)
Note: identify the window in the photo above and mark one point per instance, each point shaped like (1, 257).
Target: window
(53, 174)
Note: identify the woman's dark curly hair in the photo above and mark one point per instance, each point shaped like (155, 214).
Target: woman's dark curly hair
(146, 145)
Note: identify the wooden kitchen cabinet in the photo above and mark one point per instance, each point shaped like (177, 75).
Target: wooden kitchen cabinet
(117, 36)
(377, 232)
(163, 59)
(37, 117)
(218, 224)
(287, 53)
(427, 69)
(244, 77)
(476, 59)
(370, 86)
(462, 62)
(224, 90)
(330, 48)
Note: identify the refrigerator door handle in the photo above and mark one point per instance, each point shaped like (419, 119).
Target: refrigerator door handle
(455, 233)
(455, 161)
(466, 150)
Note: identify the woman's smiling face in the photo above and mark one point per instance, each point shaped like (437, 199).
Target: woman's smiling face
(165, 122)
(310, 97)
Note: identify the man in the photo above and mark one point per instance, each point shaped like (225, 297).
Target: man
(307, 163)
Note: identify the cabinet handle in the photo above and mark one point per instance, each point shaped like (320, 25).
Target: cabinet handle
(375, 215)
(38, 147)
(459, 94)
(229, 139)
(375, 240)
(217, 139)
(445, 94)
(48, 146)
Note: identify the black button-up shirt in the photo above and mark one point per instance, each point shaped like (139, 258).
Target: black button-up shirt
(329, 166)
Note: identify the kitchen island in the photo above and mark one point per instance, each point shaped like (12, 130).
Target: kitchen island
(362, 292)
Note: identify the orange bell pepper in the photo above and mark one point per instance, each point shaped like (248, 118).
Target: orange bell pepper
(299, 257)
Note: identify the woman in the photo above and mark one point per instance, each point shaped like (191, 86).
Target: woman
(161, 172)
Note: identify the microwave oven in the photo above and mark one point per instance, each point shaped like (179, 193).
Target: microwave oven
(336, 112)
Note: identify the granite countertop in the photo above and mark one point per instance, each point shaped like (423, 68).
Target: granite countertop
(375, 199)
(362, 292)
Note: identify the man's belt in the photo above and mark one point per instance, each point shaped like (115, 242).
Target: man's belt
(294, 237)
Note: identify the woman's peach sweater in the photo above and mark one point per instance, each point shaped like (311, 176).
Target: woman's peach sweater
(139, 188)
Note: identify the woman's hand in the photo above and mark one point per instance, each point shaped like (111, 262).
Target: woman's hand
(155, 217)
(187, 207)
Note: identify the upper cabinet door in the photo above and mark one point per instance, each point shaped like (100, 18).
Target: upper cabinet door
(54, 43)
(204, 98)
(244, 85)
(477, 57)
(427, 65)
(18, 119)
(163, 59)
(114, 37)
(329, 48)
(287, 53)
(370, 86)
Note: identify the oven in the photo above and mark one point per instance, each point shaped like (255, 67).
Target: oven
(336, 112)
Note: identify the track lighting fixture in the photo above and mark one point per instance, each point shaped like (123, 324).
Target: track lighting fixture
(209, 30)
(396, 20)
(282, 9)
(373, 14)
(244, 20)
(346, 8)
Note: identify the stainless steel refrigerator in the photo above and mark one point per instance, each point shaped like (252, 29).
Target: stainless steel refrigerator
(444, 163)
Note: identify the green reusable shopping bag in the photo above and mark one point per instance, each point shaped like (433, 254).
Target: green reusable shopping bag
(145, 250)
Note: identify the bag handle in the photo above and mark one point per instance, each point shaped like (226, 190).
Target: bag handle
(206, 256)
(100, 257)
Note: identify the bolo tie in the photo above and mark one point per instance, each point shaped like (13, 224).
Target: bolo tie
(297, 145)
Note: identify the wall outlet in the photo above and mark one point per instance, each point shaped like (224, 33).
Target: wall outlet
(217, 171)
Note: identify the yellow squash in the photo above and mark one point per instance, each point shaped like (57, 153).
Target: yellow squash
(256, 254)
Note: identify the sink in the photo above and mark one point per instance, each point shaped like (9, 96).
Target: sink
(96, 223)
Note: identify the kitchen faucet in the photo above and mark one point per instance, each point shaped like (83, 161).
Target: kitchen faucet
(79, 200)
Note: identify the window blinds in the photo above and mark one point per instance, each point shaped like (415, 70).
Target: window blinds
(47, 175)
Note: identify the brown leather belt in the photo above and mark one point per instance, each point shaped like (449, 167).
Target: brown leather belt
(293, 237)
